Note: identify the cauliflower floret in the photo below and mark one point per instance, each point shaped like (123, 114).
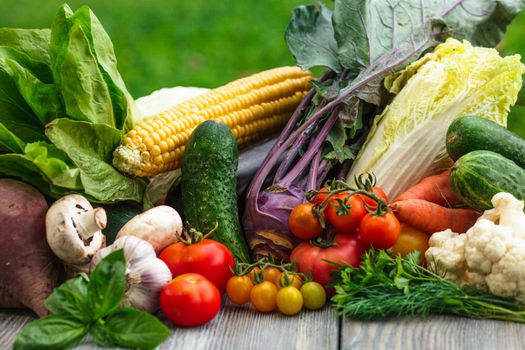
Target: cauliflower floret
(490, 255)
(446, 255)
(507, 278)
(487, 244)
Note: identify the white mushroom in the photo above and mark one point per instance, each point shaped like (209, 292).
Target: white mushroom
(73, 229)
(160, 226)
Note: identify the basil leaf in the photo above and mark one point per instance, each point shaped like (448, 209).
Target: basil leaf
(310, 37)
(90, 147)
(51, 332)
(130, 328)
(69, 299)
(106, 284)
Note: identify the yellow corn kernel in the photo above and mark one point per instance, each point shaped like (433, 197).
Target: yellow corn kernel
(253, 107)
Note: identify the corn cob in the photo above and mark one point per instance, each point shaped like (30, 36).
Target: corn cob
(253, 108)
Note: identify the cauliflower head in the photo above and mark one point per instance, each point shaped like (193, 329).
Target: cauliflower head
(491, 254)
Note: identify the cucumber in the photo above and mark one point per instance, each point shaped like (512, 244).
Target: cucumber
(209, 185)
(471, 133)
(118, 215)
(477, 176)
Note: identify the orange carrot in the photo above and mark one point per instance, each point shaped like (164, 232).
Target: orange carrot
(431, 217)
(435, 189)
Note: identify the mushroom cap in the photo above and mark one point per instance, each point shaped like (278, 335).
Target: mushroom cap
(73, 229)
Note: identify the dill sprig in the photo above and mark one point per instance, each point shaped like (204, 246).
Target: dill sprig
(385, 286)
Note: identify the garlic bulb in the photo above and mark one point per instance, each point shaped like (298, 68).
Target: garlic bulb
(145, 273)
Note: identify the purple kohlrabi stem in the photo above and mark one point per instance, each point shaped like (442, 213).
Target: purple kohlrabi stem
(324, 168)
(312, 176)
(313, 148)
(292, 153)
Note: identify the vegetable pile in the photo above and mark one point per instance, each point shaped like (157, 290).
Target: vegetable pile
(394, 188)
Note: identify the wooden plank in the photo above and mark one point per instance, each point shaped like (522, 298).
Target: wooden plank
(234, 328)
(449, 333)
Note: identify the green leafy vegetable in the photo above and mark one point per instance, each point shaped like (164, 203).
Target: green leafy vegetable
(310, 37)
(91, 304)
(130, 328)
(456, 79)
(49, 78)
(385, 286)
(90, 147)
(51, 332)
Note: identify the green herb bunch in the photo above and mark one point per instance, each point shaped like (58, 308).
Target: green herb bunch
(385, 286)
(91, 304)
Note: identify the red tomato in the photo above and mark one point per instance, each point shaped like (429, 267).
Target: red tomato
(208, 257)
(320, 197)
(190, 300)
(372, 204)
(380, 232)
(303, 223)
(346, 222)
(346, 249)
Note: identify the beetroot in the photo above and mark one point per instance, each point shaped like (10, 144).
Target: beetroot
(28, 268)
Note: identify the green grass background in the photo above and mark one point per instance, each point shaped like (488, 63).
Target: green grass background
(163, 43)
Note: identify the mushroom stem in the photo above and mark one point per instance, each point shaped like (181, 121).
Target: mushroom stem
(90, 222)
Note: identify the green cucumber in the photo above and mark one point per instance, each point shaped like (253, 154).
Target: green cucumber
(118, 215)
(477, 176)
(470, 133)
(209, 185)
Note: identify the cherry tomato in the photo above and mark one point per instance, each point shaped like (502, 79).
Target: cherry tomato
(238, 289)
(380, 232)
(346, 222)
(289, 301)
(410, 239)
(254, 272)
(293, 280)
(303, 223)
(271, 274)
(372, 204)
(314, 296)
(208, 258)
(264, 296)
(320, 197)
(344, 249)
(190, 300)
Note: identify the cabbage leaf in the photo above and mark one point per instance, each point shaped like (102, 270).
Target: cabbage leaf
(407, 141)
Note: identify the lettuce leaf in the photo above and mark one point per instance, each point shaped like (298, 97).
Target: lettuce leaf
(90, 147)
(407, 141)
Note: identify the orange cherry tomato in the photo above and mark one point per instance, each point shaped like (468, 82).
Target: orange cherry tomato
(271, 274)
(303, 223)
(264, 296)
(238, 289)
(253, 272)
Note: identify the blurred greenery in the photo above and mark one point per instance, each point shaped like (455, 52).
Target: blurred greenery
(163, 43)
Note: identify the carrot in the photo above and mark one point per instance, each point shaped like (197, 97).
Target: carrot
(431, 217)
(435, 189)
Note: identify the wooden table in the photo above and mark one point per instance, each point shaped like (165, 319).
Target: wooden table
(243, 328)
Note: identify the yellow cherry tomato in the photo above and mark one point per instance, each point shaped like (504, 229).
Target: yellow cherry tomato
(293, 280)
(314, 295)
(263, 296)
(238, 289)
(410, 239)
(289, 301)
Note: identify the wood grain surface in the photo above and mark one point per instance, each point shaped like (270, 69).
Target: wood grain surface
(433, 333)
(243, 328)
